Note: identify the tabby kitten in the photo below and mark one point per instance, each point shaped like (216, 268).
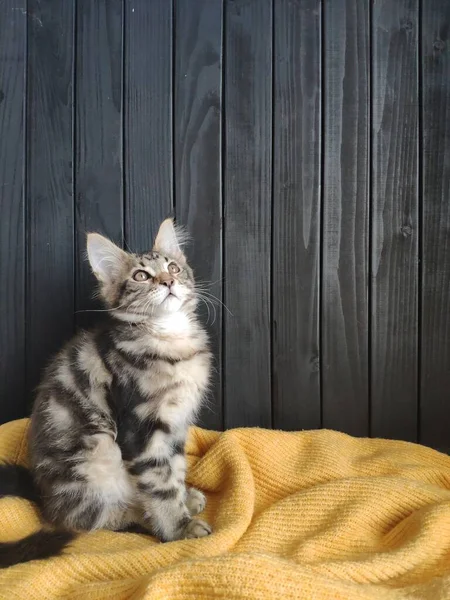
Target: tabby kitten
(110, 420)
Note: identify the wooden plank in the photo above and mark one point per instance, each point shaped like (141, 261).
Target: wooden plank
(99, 192)
(247, 211)
(12, 221)
(346, 143)
(148, 119)
(50, 281)
(296, 214)
(395, 234)
(435, 342)
(198, 167)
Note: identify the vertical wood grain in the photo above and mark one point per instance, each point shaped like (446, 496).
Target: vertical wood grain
(395, 232)
(435, 338)
(198, 166)
(116, 113)
(13, 26)
(247, 211)
(345, 343)
(296, 214)
(50, 223)
(148, 119)
(99, 193)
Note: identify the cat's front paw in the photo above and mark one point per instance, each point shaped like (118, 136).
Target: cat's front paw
(196, 528)
(195, 501)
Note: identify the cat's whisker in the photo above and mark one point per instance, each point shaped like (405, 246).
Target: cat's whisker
(215, 299)
(207, 308)
(101, 309)
(208, 302)
(209, 283)
(214, 312)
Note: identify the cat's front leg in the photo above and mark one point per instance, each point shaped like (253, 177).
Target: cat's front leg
(168, 507)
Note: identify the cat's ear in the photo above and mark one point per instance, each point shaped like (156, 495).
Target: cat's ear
(169, 240)
(106, 259)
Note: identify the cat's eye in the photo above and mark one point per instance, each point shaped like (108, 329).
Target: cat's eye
(174, 269)
(141, 276)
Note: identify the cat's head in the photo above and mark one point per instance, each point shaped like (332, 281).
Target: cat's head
(136, 286)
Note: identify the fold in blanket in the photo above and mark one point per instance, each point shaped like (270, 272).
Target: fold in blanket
(304, 515)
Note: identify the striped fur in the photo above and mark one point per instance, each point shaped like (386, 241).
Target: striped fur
(112, 412)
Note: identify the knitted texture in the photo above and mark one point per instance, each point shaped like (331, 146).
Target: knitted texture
(309, 515)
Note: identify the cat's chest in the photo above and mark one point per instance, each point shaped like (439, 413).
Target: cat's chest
(193, 372)
(173, 392)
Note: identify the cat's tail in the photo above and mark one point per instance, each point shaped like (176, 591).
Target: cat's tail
(16, 480)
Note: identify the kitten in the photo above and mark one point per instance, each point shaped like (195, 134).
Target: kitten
(111, 415)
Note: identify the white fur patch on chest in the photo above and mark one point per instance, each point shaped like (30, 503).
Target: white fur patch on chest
(175, 393)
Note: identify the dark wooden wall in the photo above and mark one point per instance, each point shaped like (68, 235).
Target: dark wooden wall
(306, 146)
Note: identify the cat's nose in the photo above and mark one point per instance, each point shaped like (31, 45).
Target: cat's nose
(165, 279)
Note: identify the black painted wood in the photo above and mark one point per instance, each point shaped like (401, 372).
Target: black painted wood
(247, 212)
(395, 227)
(148, 103)
(98, 136)
(50, 208)
(198, 164)
(296, 214)
(435, 338)
(12, 209)
(346, 147)
(287, 136)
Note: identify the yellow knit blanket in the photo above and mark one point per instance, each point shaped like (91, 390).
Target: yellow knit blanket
(310, 515)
